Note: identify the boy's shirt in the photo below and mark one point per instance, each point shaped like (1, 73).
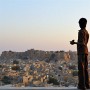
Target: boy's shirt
(83, 37)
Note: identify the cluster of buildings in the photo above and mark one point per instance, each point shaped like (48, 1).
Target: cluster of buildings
(35, 67)
(36, 73)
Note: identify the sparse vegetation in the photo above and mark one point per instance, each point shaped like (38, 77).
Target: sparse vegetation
(53, 80)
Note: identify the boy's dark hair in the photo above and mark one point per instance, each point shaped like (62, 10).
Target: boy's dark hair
(82, 22)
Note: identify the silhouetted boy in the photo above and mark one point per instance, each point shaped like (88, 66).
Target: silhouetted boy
(82, 52)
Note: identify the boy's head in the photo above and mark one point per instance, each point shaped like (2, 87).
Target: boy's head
(82, 23)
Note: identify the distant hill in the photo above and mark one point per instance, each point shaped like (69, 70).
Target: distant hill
(39, 55)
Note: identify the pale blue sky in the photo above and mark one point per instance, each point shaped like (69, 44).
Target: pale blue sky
(41, 24)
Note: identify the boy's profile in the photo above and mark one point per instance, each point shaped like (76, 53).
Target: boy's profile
(82, 52)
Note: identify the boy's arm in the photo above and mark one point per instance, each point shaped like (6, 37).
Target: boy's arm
(73, 42)
(79, 43)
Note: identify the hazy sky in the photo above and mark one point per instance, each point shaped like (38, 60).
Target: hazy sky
(41, 24)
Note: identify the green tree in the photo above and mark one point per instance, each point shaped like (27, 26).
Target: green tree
(6, 80)
(53, 80)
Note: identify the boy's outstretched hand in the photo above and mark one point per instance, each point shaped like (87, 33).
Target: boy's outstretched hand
(72, 42)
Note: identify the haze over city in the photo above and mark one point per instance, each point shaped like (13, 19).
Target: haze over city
(41, 24)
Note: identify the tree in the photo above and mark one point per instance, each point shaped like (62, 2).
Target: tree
(75, 73)
(15, 62)
(17, 68)
(6, 80)
(53, 80)
(1, 66)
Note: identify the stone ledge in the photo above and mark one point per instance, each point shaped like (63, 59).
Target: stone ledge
(38, 88)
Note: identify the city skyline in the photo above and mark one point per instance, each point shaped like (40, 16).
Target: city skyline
(41, 24)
